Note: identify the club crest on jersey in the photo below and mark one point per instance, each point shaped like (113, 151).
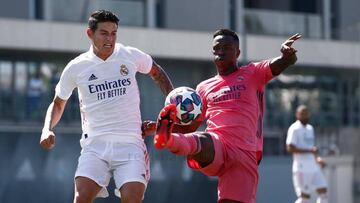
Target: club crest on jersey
(240, 78)
(124, 71)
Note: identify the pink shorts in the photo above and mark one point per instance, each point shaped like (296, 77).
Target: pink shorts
(236, 169)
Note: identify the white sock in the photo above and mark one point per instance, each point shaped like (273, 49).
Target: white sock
(322, 198)
(302, 200)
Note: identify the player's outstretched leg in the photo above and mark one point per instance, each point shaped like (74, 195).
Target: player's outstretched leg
(165, 124)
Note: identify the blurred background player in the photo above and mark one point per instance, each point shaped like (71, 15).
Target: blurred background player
(307, 174)
(111, 142)
(35, 91)
(233, 106)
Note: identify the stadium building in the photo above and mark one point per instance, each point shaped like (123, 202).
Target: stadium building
(39, 37)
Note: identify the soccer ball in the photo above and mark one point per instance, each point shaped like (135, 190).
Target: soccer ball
(188, 104)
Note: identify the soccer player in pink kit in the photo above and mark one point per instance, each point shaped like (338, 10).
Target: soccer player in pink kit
(233, 106)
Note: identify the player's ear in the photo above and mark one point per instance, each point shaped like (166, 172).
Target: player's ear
(238, 53)
(89, 33)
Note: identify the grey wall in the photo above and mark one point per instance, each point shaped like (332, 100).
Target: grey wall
(28, 170)
(42, 176)
(275, 184)
(70, 38)
(350, 145)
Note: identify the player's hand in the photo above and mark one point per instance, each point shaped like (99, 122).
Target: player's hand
(288, 52)
(314, 150)
(148, 128)
(321, 162)
(47, 139)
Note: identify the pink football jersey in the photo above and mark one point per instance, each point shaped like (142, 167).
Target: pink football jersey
(234, 105)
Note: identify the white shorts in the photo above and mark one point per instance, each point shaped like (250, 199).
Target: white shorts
(102, 158)
(308, 181)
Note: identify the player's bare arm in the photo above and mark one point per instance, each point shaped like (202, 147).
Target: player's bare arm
(161, 78)
(320, 161)
(287, 58)
(293, 149)
(53, 115)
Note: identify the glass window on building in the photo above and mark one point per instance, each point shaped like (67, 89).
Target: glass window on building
(27, 88)
(21, 77)
(131, 12)
(321, 94)
(6, 92)
(5, 75)
(20, 89)
(357, 104)
(35, 92)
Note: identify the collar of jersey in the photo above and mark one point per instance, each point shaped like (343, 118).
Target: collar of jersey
(302, 125)
(228, 76)
(93, 56)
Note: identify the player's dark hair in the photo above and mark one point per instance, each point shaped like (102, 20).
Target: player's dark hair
(100, 16)
(227, 32)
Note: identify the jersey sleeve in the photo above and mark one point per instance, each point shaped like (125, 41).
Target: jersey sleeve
(263, 72)
(66, 83)
(291, 136)
(142, 60)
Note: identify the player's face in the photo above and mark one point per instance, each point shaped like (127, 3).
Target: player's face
(225, 51)
(303, 115)
(103, 39)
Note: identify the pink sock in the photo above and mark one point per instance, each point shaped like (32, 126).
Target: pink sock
(184, 144)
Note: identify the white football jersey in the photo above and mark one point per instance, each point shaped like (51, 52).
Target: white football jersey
(108, 91)
(302, 136)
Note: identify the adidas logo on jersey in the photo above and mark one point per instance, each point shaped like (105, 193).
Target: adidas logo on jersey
(92, 77)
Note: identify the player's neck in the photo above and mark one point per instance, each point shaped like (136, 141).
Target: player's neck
(102, 56)
(304, 123)
(227, 70)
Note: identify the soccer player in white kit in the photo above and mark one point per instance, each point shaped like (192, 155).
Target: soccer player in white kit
(307, 174)
(112, 144)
